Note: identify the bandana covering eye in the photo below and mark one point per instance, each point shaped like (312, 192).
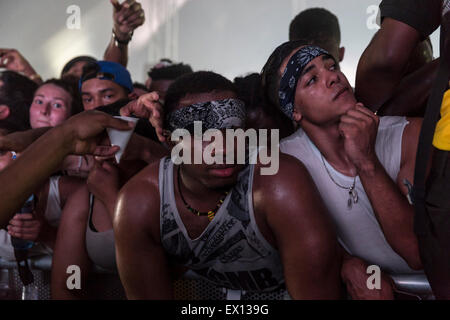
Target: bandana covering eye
(222, 114)
(292, 73)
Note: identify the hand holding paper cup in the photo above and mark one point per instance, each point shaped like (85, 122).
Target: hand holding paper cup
(121, 138)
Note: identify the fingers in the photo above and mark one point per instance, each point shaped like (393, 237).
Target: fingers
(134, 17)
(106, 151)
(6, 59)
(31, 223)
(119, 124)
(103, 165)
(129, 12)
(141, 107)
(108, 166)
(162, 136)
(24, 226)
(24, 233)
(22, 217)
(117, 6)
(128, 109)
(358, 115)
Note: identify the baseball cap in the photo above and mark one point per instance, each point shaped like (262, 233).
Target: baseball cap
(107, 70)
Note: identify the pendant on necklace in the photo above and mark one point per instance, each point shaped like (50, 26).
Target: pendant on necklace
(352, 198)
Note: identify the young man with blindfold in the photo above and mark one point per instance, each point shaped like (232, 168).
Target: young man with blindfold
(227, 223)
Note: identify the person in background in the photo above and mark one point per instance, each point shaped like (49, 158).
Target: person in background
(103, 83)
(16, 96)
(319, 27)
(73, 69)
(140, 89)
(163, 74)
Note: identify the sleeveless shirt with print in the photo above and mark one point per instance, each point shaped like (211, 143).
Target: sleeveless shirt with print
(231, 252)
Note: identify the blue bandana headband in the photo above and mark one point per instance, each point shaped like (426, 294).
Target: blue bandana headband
(292, 73)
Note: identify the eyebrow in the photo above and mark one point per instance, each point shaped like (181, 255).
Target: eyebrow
(310, 68)
(56, 98)
(101, 91)
(306, 70)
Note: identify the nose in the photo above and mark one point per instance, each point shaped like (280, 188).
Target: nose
(46, 110)
(331, 78)
(96, 102)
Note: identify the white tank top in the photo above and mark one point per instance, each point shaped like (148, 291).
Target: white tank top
(358, 229)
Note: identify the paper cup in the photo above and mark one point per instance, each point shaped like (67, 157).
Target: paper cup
(121, 138)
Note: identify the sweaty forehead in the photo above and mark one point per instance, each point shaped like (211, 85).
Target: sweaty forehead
(190, 98)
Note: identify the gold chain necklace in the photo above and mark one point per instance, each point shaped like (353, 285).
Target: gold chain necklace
(210, 214)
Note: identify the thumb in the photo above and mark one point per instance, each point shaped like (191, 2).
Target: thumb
(117, 6)
(118, 124)
(127, 110)
(107, 166)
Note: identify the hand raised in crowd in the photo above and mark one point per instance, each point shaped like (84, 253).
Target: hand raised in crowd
(127, 17)
(24, 226)
(147, 106)
(12, 60)
(84, 133)
(359, 127)
(103, 183)
(354, 274)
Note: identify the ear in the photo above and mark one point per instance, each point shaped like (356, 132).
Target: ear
(4, 112)
(341, 53)
(297, 115)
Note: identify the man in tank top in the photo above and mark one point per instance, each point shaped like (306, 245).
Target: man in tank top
(229, 224)
(361, 164)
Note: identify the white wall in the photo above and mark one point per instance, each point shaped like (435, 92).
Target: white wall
(232, 37)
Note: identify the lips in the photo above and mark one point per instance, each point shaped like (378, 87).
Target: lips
(340, 92)
(222, 171)
(44, 123)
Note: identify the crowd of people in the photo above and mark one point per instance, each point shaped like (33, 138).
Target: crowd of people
(340, 202)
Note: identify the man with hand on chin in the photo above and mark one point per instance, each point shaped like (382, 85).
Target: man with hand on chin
(361, 164)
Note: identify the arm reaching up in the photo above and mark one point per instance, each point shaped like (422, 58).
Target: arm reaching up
(127, 18)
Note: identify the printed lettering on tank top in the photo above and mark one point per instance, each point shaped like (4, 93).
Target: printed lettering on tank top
(228, 240)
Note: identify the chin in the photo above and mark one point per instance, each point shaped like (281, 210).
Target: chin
(222, 183)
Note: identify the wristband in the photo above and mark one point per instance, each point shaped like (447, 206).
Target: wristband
(117, 41)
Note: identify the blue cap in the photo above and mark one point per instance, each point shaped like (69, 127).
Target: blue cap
(112, 71)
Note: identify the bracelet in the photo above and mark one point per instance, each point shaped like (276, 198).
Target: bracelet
(117, 41)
